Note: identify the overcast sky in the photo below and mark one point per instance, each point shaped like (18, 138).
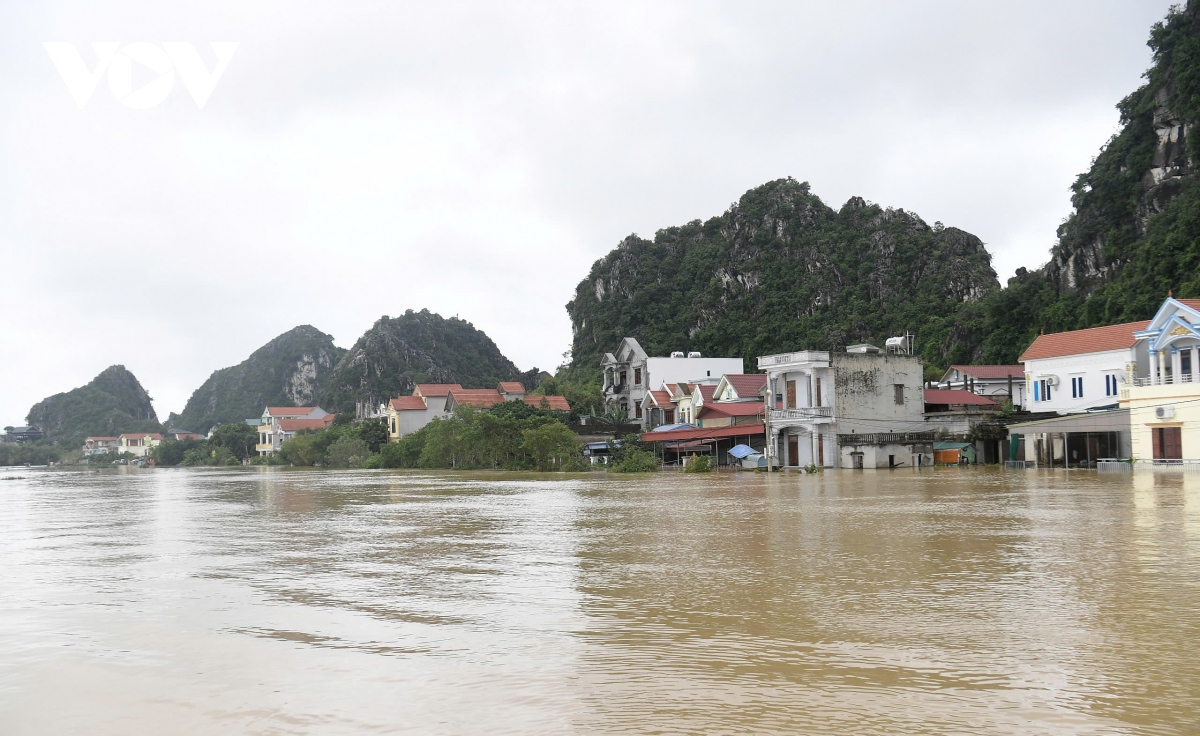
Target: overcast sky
(357, 160)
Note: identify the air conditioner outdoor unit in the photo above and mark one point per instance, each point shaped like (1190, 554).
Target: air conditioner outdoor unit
(1051, 380)
(1164, 412)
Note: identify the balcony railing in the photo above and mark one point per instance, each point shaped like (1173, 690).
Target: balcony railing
(1183, 465)
(887, 438)
(1166, 380)
(801, 356)
(803, 412)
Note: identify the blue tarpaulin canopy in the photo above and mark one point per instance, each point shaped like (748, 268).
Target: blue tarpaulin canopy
(669, 427)
(741, 451)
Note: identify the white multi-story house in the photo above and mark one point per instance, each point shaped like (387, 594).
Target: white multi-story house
(1164, 396)
(851, 410)
(280, 423)
(629, 374)
(1080, 370)
(999, 383)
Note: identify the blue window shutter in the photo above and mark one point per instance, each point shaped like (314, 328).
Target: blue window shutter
(1036, 393)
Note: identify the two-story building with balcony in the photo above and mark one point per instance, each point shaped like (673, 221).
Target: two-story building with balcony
(1079, 375)
(280, 423)
(1163, 398)
(629, 374)
(861, 409)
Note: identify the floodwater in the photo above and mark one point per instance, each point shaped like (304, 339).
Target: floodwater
(936, 601)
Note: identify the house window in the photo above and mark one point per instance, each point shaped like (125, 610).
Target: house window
(817, 393)
(1110, 385)
(1185, 363)
(622, 378)
(637, 376)
(637, 411)
(1042, 387)
(898, 389)
(1077, 387)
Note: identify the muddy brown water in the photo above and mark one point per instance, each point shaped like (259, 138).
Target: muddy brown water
(285, 601)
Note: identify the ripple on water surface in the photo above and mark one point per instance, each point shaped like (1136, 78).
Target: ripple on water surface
(292, 601)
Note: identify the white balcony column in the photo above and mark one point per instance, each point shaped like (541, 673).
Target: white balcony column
(1176, 365)
(1154, 367)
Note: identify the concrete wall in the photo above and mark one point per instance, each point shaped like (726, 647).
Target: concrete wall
(864, 393)
(1184, 399)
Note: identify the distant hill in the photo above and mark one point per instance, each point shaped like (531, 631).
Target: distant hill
(779, 271)
(290, 370)
(417, 347)
(112, 403)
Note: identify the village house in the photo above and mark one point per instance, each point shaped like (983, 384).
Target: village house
(21, 435)
(1079, 375)
(999, 383)
(629, 374)
(658, 409)
(279, 424)
(1163, 397)
(738, 398)
(138, 444)
(407, 414)
(100, 445)
(861, 409)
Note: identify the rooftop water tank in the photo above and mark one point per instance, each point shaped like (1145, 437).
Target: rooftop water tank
(693, 354)
(677, 354)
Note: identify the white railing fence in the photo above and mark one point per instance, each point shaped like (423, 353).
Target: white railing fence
(804, 412)
(1164, 380)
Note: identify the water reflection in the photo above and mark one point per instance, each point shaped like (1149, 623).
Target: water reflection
(278, 600)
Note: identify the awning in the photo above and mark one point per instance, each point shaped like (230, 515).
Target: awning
(707, 433)
(1093, 421)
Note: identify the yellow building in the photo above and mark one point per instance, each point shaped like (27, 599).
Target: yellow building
(1163, 396)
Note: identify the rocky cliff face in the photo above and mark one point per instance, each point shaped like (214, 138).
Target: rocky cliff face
(417, 347)
(779, 270)
(287, 371)
(1141, 170)
(112, 403)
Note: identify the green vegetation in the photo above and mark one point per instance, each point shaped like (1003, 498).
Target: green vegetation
(229, 444)
(417, 347)
(290, 370)
(699, 464)
(509, 436)
(112, 403)
(29, 453)
(780, 270)
(630, 455)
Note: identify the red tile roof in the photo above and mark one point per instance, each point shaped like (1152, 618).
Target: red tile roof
(511, 387)
(151, 435)
(435, 389)
(295, 425)
(704, 433)
(1078, 342)
(289, 411)
(747, 385)
(659, 398)
(1193, 303)
(480, 397)
(733, 409)
(408, 403)
(706, 391)
(956, 396)
(101, 439)
(554, 403)
(991, 371)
